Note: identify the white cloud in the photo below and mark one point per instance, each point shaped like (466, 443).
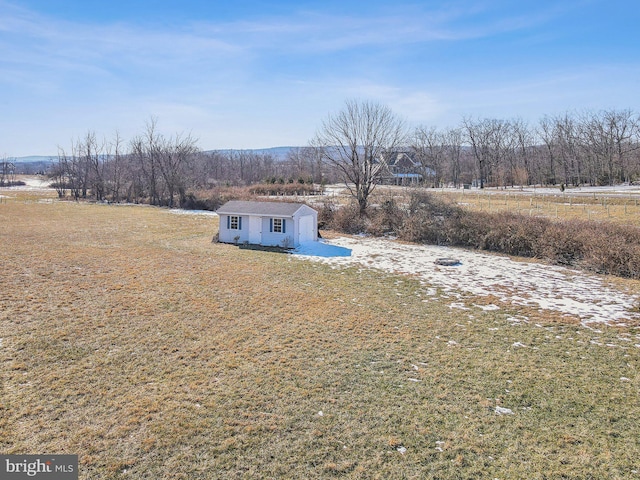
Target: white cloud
(271, 80)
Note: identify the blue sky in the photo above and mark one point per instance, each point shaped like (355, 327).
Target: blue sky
(257, 74)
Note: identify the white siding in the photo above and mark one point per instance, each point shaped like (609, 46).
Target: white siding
(258, 228)
(278, 239)
(229, 235)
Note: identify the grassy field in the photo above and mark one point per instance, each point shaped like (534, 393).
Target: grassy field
(569, 205)
(597, 205)
(130, 339)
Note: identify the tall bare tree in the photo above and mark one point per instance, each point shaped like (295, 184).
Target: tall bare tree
(429, 146)
(173, 157)
(116, 161)
(354, 140)
(145, 151)
(7, 172)
(489, 143)
(524, 151)
(93, 159)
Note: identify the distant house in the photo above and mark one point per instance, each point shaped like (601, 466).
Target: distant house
(401, 168)
(267, 223)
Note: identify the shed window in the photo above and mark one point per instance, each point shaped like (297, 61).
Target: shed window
(234, 222)
(278, 225)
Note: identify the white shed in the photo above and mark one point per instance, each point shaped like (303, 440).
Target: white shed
(267, 223)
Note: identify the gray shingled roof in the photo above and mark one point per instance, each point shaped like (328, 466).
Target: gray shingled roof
(238, 207)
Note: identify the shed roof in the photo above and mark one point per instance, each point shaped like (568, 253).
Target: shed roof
(239, 207)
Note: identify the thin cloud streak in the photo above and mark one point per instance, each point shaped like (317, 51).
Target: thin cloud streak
(276, 77)
(311, 32)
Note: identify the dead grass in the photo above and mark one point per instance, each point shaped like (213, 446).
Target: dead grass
(623, 209)
(130, 339)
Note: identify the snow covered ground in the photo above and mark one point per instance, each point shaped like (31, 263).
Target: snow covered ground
(33, 183)
(543, 287)
(206, 213)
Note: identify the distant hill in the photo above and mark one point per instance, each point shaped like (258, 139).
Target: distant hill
(279, 153)
(33, 159)
(31, 164)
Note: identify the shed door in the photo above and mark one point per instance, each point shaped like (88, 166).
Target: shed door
(255, 230)
(306, 229)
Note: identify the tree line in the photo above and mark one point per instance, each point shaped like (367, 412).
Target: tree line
(601, 148)
(160, 170)
(594, 148)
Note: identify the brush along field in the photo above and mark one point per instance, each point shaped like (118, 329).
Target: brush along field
(130, 339)
(587, 203)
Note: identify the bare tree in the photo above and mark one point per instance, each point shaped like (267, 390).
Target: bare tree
(546, 131)
(304, 163)
(624, 126)
(7, 172)
(489, 143)
(93, 160)
(611, 138)
(524, 151)
(115, 156)
(145, 151)
(72, 170)
(452, 138)
(429, 147)
(59, 173)
(210, 168)
(173, 156)
(354, 140)
(567, 131)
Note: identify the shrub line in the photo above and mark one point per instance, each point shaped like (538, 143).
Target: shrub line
(600, 247)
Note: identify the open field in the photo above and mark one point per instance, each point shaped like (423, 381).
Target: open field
(578, 296)
(610, 204)
(128, 338)
(596, 203)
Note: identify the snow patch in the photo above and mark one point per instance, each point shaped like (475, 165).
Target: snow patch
(178, 211)
(461, 306)
(503, 411)
(488, 308)
(545, 287)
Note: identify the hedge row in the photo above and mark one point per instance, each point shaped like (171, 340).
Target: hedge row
(600, 247)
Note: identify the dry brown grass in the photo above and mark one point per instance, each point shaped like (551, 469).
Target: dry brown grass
(130, 339)
(623, 209)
